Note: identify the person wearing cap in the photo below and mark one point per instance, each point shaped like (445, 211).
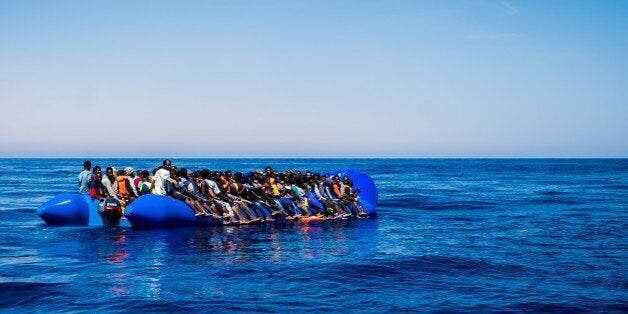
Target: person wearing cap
(130, 174)
(126, 191)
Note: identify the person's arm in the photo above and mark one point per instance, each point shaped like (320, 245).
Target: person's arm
(194, 193)
(108, 187)
(133, 189)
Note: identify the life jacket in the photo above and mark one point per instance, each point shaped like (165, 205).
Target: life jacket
(123, 190)
(335, 189)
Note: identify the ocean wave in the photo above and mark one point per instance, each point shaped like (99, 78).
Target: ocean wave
(555, 200)
(406, 269)
(552, 192)
(422, 203)
(20, 294)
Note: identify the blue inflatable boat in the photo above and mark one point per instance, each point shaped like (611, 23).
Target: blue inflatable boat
(156, 211)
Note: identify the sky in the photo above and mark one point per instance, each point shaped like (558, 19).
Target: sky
(424, 79)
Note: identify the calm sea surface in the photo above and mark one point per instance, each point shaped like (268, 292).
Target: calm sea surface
(451, 235)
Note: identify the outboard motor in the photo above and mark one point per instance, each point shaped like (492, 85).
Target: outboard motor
(110, 211)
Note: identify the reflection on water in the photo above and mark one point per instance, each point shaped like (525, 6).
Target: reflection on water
(141, 262)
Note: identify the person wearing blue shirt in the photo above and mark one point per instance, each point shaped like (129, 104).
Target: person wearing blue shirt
(84, 177)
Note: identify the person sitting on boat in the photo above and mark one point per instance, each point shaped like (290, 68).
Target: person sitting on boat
(109, 181)
(96, 189)
(210, 189)
(85, 177)
(300, 196)
(126, 190)
(144, 186)
(236, 192)
(223, 186)
(334, 192)
(268, 171)
(350, 197)
(255, 195)
(131, 178)
(137, 179)
(286, 199)
(317, 187)
(209, 204)
(274, 195)
(189, 189)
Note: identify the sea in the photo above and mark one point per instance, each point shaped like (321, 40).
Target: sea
(450, 235)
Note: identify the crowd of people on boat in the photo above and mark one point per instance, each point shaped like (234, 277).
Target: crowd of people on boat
(232, 197)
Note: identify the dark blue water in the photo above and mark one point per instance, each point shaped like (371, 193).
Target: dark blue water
(451, 235)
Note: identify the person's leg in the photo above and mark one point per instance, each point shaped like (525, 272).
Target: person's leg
(210, 210)
(263, 211)
(241, 217)
(232, 216)
(250, 212)
(191, 204)
(361, 211)
(303, 208)
(294, 210)
(340, 208)
(278, 207)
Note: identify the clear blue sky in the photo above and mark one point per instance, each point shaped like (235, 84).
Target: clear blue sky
(314, 78)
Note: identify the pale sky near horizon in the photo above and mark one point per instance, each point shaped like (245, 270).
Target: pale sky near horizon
(314, 78)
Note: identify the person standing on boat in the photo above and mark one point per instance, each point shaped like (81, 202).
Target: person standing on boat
(162, 176)
(85, 177)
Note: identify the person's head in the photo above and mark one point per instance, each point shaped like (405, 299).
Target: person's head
(203, 173)
(96, 169)
(237, 176)
(349, 182)
(198, 175)
(166, 163)
(121, 173)
(345, 179)
(228, 174)
(183, 172)
(335, 178)
(97, 176)
(87, 165)
(144, 175)
(155, 170)
(109, 171)
(268, 170)
(129, 171)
